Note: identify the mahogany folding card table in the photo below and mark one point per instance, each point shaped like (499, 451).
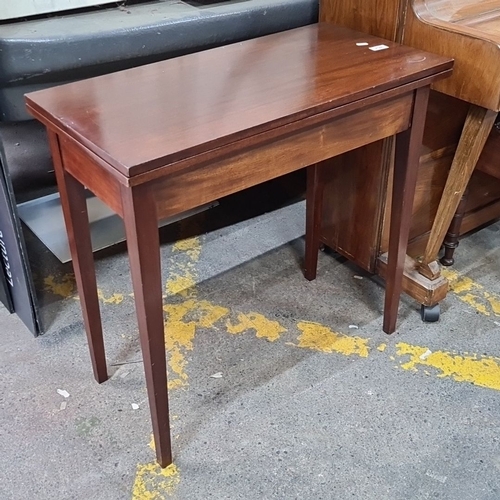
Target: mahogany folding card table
(160, 139)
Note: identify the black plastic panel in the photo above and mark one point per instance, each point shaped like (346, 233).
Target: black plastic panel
(43, 52)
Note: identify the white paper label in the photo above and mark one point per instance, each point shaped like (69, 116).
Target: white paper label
(376, 48)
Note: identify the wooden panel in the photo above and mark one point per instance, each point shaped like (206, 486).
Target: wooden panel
(477, 218)
(352, 177)
(457, 11)
(211, 179)
(85, 167)
(484, 190)
(489, 161)
(476, 74)
(446, 116)
(150, 116)
(444, 122)
(483, 208)
(377, 17)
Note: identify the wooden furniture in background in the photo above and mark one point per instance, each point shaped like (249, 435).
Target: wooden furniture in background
(160, 139)
(469, 31)
(450, 28)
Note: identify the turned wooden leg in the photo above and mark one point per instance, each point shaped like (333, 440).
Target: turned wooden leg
(451, 238)
(143, 244)
(475, 132)
(74, 206)
(314, 202)
(406, 163)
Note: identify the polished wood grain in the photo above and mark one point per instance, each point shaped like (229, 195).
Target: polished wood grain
(230, 101)
(476, 50)
(238, 116)
(314, 203)
(467, 30)
(143, 245)
(74, 156)
(408, 144)
(460, 11)
(287, 153)
(74, 203)
(349, 178)
(384, 18)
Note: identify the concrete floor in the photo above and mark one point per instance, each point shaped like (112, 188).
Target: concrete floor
(280, 388)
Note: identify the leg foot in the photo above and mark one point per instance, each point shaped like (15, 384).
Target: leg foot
(314, 201)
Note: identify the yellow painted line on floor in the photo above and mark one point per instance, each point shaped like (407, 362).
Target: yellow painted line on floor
(151, 481)
(473, 293)
(180, 327)
(185, 314)
(322, 338)
(483, 371)
(264, 328)
(183, 318)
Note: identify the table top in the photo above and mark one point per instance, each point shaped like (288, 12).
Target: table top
(150, 116)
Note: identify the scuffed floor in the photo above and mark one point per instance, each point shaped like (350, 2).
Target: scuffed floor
(280, 388)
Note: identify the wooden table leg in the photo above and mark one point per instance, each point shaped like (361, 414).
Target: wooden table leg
(314, 201)
(143, 245)
(408, 148)
(475, 132)
(74, 206)
(450, 242)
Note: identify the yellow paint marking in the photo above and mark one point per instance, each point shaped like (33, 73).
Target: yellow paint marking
(154, 483)
(115, 298)
(265, 328)
(321, 338)
(180, 328)
(182, 271)
(483, 371)
(178, 333)
(460, 284)
(473, 293)
(180, 285)
(494, 301)
(183, 318)
(191, 246)
(64, 287)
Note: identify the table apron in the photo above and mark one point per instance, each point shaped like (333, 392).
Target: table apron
(229, 174)
(86, 167)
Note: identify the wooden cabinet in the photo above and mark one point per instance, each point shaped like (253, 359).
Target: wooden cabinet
(358, 181)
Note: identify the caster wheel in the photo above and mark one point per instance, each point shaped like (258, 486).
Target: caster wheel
(430, 314)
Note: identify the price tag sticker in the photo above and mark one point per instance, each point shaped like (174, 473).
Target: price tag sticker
(376, 48)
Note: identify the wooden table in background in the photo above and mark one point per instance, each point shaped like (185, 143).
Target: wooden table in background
(160, 139)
